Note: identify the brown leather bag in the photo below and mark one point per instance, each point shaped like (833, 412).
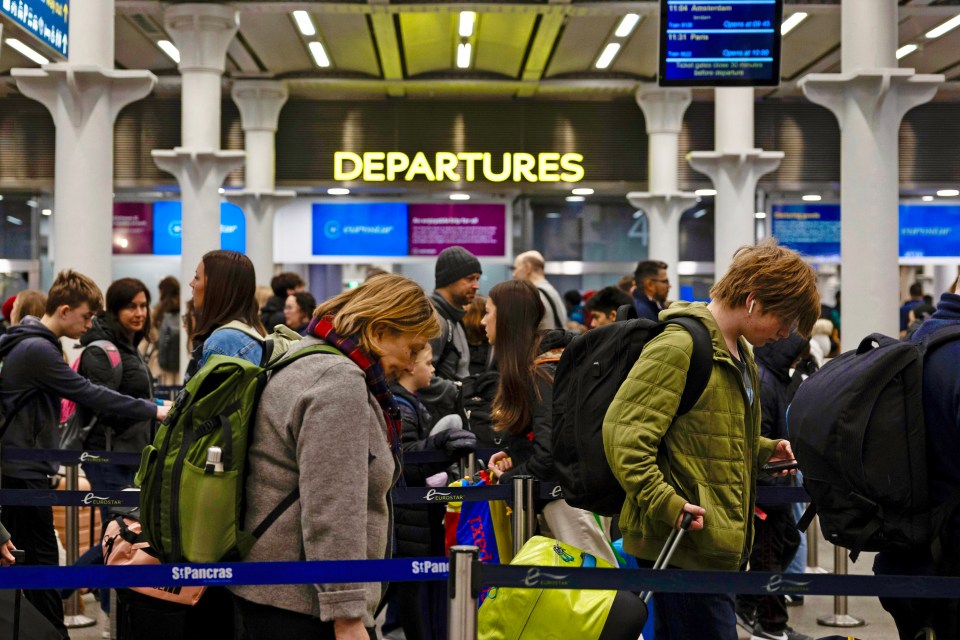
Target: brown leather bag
(122, 546)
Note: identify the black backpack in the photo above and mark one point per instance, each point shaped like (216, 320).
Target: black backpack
(857, 429)
(591, 370)
(476, 405)
(168, 343)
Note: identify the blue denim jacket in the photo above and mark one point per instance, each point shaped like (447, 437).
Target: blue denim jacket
(230, 342)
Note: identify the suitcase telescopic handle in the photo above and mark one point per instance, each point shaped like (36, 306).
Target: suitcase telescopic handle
(673, 540)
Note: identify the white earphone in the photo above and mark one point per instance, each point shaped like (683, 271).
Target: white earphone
(750, 308)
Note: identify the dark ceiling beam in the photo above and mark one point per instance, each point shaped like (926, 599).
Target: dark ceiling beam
(549, 28)
(388, 46)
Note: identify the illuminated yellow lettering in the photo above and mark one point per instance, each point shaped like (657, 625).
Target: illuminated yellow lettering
(420, 166)
(373, 166)
(469, 158)
(339, 157)
(488, 168)
(447, 166)
(570, 162)
(522, 165)
(548, 164)
(397, 162)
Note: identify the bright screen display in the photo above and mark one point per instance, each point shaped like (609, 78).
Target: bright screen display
(720, 43)
(168, 224)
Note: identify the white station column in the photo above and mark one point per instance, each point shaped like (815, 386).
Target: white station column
(735, 167)
(664, 203)
(260, 102)
(84, 96)
(202, 33)
(869, 99)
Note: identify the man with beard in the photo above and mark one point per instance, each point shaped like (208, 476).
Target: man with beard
(653, 285)
(457, 279)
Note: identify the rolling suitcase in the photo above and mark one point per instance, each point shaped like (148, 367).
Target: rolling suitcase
(555, 614)
(19, 620)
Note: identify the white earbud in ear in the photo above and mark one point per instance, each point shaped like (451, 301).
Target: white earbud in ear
(750, 308)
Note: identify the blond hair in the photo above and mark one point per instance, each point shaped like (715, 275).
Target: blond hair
(783, 283)
(29, 302)
(73, 289)
(386, 301)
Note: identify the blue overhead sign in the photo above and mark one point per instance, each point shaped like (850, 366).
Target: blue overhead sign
(167, 228)
(47, 20)
(926, 230)
(360, 229)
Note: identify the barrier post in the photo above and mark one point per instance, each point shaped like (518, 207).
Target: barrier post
(72, 618)
(840, 617)
(524, 512)
(813, 553)
(462, 603)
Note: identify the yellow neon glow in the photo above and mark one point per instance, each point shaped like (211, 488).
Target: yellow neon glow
(466, 166)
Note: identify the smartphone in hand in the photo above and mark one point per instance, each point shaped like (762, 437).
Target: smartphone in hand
(779, 466)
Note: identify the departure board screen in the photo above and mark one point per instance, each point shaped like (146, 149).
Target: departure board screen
(720, 43)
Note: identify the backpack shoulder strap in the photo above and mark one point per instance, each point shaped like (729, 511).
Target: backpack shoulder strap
(626, 312)
(242, 327)
(302, 353)
(553, 308)
(701, 362)
(113, 357)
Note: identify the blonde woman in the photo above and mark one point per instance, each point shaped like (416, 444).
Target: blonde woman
(327, 437)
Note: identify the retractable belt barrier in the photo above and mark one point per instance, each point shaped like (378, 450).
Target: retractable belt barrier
(486, 575)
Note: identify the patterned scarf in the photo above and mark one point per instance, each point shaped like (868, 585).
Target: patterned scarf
(376, 380)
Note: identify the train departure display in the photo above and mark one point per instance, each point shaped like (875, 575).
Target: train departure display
(720, 43)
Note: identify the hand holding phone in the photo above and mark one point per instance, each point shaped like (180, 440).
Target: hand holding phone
(779, 466)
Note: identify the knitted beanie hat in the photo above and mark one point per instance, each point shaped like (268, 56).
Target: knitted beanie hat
(454, 263)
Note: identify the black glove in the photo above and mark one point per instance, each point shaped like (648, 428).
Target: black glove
(456, 442)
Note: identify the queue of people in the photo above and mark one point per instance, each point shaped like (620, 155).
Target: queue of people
(331, 429)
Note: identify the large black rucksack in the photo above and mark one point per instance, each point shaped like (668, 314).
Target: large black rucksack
(857, 429)
(591, 370)
(476, 407)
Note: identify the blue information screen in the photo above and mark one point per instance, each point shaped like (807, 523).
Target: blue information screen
(720, 43)
(46, 20)
(926, 230)
(360, 229)
(167, 228)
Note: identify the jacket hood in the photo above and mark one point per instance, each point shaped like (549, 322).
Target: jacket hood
(777, 356)
(28, 327)
(555, 339)
(948, 313)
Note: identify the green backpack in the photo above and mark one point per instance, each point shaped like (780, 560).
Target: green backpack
(192, 476)
(275, 345)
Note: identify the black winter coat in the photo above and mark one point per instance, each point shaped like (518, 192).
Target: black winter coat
(126, 434)
(419, 528)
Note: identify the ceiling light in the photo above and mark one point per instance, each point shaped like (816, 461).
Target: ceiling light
(906, 50)
(338, 191)
(47, 212)
(459, 196)
(1, 197)
(582, 191)
(927, 198)
(463, 55)
(948, 193)
(26, 51)
(319, 54)
(705, 192)
(575, 198)
(304, 23)
(172, 52)
(16, 221)
(699, 213)
(760, 215)
(468, 20)
(811, 197)
(952, 23)
(123, 242)
(627, 24)
(31, 203)
(609, 53)
(553, 215)
(791, 22)
(221, 191)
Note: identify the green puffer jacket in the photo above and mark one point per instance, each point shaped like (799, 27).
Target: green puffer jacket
(709, 457)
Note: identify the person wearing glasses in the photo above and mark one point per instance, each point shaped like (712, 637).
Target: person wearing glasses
(653, 285)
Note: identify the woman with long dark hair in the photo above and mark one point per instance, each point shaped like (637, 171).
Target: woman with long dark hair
(224, 291)
(527, 361)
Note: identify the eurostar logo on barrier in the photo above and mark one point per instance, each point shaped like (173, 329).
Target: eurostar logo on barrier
(537, 578)
(89, 457)
(557, 492)
(98, 501)
(443, 496)
(778, 584)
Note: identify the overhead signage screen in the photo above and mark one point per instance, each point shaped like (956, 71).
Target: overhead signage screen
(720, 43)
(46, 20)
(168, 227)
(397, 229)
(926, 230)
